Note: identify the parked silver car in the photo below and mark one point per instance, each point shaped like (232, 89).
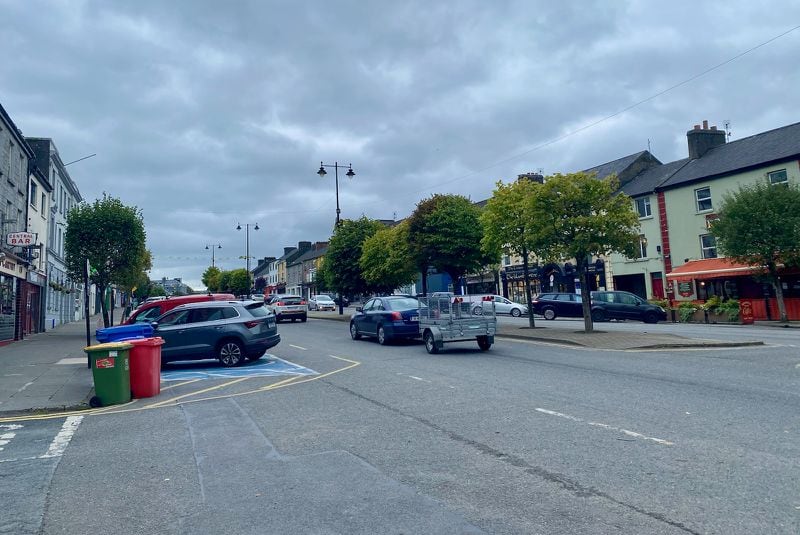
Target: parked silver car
(229, 331)
(501, 304)
(321, 302)
(288, 307)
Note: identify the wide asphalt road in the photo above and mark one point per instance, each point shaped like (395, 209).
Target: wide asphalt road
(526, 438)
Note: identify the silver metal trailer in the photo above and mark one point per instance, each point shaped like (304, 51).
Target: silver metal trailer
(450, 319)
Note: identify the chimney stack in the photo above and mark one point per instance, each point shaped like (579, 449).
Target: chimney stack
(534, 177)
(702, 140)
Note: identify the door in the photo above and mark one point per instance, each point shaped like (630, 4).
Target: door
(627, 306)
(173, 328)
(658, 285)
(363, 320)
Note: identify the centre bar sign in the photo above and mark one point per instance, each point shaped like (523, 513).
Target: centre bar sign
(20, 239)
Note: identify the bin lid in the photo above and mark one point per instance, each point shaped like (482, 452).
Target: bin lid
(111, 346)
(153, 341)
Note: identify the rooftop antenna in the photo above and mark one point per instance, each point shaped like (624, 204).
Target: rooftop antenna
(648, 145)
(727, 124)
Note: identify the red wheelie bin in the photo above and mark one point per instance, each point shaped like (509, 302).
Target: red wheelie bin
(145, 359)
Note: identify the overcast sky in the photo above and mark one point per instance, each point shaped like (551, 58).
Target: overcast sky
(208, 114)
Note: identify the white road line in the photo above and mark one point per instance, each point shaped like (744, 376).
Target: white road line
(298, 347)
(420, 379)
(6, 437)
(606, 426)
(25, 386)
(61, 441)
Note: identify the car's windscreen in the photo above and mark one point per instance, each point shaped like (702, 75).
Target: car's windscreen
(403, 303)
(257, 310)
(323, 298)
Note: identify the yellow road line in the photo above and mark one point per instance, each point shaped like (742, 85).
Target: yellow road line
(116, 409)
(209, 389)
(179, 384)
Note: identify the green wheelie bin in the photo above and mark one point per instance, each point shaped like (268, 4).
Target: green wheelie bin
(111, 373)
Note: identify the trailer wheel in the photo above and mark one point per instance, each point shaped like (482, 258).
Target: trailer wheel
(483, 343)
(430, 343)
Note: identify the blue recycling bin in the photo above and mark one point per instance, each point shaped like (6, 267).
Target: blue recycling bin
(124, 332)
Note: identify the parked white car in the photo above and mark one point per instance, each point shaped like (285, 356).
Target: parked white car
(501, 305)
(321, 302)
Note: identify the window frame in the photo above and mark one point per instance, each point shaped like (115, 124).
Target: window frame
(778, 172)
(642, 247)
(645, 203)
(33, 194)
(697, 200)
(704, 248)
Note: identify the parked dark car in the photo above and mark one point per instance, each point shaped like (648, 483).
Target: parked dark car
(345, 300)
(554, 305)
(229, 331)
(386, 318)
(625, 306)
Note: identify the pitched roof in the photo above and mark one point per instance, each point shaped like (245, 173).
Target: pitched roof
(616, 167)
(310, 255)
(648, 180)
(771, 146)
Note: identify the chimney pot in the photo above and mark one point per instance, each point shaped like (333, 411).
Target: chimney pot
(697, 127)
(705, 125)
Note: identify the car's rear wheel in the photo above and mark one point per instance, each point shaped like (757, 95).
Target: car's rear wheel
(354, 334)
(598, 315)
(516, 312)
(382, 339)
(650, 317)
(549, 314)
(304, 319)
(483, 343)
(230, 353)
(477, 311)
(430, 343)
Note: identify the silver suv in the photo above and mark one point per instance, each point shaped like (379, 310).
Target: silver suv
(288, 307)
(229, 331)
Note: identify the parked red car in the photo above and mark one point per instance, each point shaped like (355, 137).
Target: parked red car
(148, 312)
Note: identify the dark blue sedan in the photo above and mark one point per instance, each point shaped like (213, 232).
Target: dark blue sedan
(386, 318)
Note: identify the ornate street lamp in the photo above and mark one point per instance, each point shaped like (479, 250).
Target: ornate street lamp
(212, 252)
(349, 174)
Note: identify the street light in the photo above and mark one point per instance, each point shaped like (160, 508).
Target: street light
(247, 250)
(349, 174)
(212, 251)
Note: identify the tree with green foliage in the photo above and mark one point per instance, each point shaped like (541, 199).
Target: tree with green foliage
(343, 254)
(111, 237)
(260, 284)
(578, 216)
(445, 232)
(239, 282)
(386, 262)
(759, 225)
(509, 226)
(223, 281)
(210, 278)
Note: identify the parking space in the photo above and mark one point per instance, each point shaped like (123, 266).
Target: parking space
(267, 366)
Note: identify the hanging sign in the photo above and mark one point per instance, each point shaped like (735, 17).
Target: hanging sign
(20, 239)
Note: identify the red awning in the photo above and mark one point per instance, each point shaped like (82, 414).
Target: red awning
(712, 268)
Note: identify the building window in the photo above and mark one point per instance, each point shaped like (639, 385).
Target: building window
(506, 260)
(778, 177)
(33, 196)
(44, 204)
(642, 246)
(703, 197)
(708, 244)
(643, 207)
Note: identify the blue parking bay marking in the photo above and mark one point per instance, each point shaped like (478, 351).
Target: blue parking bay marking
(268, 366)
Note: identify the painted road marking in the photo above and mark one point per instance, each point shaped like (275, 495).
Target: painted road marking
(7, 433)
(606, 426)
(298, 347)
(419, 379)
(269, 368)
(72, 360)
(62, 439)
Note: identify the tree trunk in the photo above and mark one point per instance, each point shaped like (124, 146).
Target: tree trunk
(101, 291)
(776, 283)
(528, 296)
(456, 279)
(586, 295)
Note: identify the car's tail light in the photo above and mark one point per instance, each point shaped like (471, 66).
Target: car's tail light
(302, 302)
(251, 324)
(279, 303)
(396, 316)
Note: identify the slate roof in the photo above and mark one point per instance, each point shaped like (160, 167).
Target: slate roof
(310, 255)
(616, 167)
(771, 146)
(648, 180)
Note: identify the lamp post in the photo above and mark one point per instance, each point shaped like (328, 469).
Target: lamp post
(212, 252)
(349, 174)
(247, 249)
